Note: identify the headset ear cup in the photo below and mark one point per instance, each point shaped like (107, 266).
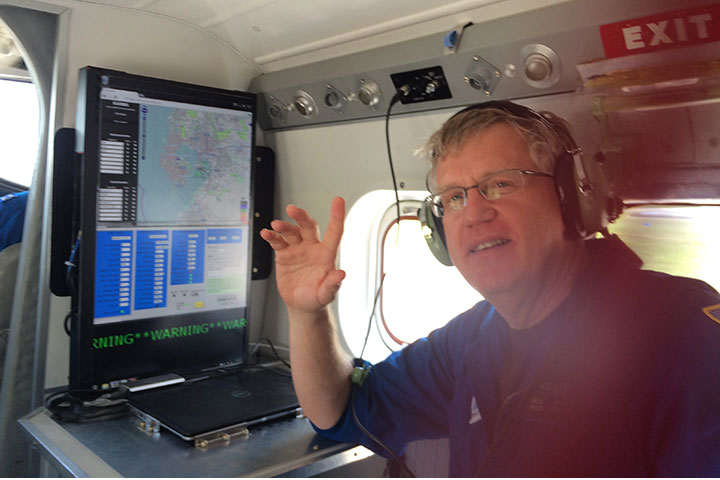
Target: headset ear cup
(586, 203)
(568, 195)
(434, 234)
(599, 206)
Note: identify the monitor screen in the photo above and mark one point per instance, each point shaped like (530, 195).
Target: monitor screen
(165, 201)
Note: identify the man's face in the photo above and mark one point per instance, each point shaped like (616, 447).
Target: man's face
(508, 245)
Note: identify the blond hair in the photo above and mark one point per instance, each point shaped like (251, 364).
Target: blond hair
(545, 143)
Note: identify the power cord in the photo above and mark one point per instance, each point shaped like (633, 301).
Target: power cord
(71, 267)
(109, 405)
(71, 283)
(68, 320)
(272, 347)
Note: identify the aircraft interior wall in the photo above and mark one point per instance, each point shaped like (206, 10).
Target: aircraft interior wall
(343, 150)
(315, 162)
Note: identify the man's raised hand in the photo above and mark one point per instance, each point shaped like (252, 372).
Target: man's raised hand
(307, 277)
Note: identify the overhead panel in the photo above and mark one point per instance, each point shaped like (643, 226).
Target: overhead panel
(525, 55)
(342, 90)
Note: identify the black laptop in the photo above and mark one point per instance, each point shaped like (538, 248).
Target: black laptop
(217, 407)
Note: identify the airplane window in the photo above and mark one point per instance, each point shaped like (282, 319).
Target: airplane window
(19, 115)
(419, 293)
(19, 135)
(680, 240)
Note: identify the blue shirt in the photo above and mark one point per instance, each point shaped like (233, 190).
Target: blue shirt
(12, 218)
(622, 379)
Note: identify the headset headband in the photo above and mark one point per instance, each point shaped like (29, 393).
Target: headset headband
(526, 113)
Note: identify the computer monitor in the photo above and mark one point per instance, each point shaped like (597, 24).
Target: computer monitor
(166, 231)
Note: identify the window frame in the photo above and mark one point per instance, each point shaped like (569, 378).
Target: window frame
(390, 219)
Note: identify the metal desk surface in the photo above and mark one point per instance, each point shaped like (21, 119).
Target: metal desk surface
(119, 448)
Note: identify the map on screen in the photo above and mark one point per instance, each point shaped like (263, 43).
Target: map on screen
(193, 167)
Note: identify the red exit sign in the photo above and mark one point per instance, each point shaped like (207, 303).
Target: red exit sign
(664, 31)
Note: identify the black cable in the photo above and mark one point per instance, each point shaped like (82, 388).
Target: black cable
(382, 337)
(71, 283)
(501, 428)
(394, 100)
(71, 267)
(372, 314)
(106, 405)
(403, 465)
(360, 364)
(68, 319)
(277, 355)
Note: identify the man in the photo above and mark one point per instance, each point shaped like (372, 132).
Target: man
(576, 364)
(12, 218)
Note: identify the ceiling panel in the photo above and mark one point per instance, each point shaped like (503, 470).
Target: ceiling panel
(208, 13)
(270, 32)
(132, 4)
(286, 27)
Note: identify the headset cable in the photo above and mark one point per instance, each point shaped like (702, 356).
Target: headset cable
(360, 371)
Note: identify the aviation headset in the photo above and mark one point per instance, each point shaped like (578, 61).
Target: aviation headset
(583, 189)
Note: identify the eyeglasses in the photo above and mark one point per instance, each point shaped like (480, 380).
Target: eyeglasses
(496, 185)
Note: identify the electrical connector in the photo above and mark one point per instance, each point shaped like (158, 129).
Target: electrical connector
(359, 372)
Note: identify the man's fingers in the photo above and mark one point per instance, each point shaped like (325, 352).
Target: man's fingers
(276, 241)
(335, 227)
(289, 232)
(308, 227)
